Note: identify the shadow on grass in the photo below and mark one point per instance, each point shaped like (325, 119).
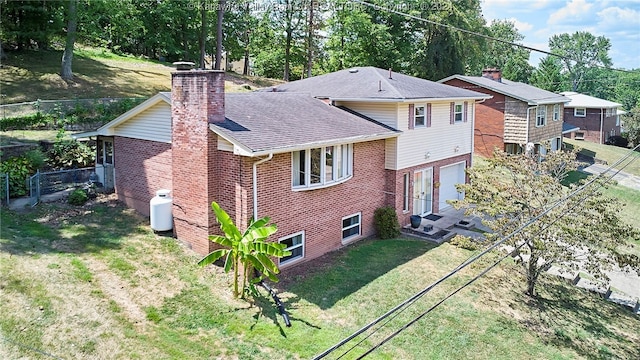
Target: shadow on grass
(577, 315)
(336, 275)
(574, 177)
(62, 228)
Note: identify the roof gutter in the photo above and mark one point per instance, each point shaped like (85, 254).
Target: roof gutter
(255, 184)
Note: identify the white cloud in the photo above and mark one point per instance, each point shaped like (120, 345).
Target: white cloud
(572, 11)
(615, 18)
(521, 25)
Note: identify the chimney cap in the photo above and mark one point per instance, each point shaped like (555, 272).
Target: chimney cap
(184, 65)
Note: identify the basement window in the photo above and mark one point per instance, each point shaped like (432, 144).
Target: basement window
(351, 227)
(295, 244)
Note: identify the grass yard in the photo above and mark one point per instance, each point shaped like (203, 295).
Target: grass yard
(95, 282)
(98, 73)
(608, 153)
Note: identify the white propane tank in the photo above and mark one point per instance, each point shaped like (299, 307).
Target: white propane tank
(161, 211)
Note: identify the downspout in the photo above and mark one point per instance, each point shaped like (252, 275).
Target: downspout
(255, 184)
(601, 123)
(528, 119)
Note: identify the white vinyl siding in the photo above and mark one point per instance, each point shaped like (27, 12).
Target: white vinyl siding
(152, 124)
(224, 145)
(440, 140)
(385, 113)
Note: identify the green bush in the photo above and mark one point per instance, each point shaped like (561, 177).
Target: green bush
(25, 122)
(69, 154)
(386, 222)
(78, 197)
(465, 242)
(19, 169)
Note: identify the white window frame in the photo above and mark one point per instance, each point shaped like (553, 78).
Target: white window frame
(456, 113)
(102, 149)
(341, 171)
(556, 112)
(541, 116)
(358, 225)
(556, 143)
(292, 247)
(416, 116)
(405, 192)
(581, 113)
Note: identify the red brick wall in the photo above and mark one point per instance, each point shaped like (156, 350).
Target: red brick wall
(403, 218)
(319, 212)
(141, 168)
(197, 99)
(489, 123)
(590, 124)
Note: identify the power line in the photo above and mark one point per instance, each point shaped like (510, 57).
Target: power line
(486, 270)
(474, 33)
(408, 302)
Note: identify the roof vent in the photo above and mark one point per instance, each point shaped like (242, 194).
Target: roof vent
(184, 65)
(353, 70)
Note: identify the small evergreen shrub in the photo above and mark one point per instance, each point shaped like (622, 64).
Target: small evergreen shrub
(386, 222)
(78, 197)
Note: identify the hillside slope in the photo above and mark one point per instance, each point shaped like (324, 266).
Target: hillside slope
(32, 75)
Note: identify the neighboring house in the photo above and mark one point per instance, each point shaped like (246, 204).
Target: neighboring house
(517, 115)
(318, 171)
(597, 119)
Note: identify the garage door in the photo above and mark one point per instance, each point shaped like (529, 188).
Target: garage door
(449, 177)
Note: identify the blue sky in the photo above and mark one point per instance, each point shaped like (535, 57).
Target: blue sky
(538, 20)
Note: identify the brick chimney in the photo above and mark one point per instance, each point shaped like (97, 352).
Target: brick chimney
(494, 74)
(197, 99)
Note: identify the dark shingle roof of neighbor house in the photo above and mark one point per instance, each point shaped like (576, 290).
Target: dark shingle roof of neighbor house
(374, 84)
(263, 122)
(521, 91)
(567, 128)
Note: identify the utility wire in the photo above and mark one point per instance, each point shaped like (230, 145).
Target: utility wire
(30, 348)
(474, 33)
(486, 270)
(472, 259)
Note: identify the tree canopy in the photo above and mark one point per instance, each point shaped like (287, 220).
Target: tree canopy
(573, 230)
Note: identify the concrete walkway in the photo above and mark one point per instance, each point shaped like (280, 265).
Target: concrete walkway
(623, 178)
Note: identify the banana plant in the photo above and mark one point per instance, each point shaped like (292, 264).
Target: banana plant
(246, 250)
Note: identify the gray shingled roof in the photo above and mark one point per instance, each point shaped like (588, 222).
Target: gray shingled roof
(264, 122)
(521, 91)
(366, 83)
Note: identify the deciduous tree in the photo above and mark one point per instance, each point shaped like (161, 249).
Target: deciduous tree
(582, 231)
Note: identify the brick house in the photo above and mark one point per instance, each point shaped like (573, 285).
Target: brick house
(517, 115)
(597, 119)
(317, 168)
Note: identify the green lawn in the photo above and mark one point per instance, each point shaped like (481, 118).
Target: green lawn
(95, 282)
(609, 153)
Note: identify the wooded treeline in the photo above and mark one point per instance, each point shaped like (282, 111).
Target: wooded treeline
(292, 39)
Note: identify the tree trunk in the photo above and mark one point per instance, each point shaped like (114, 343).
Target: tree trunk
(245, 69)
(203, 34)
(287, 51)
(532, 274)
(221, 5)
(67, 56)
(310, 40)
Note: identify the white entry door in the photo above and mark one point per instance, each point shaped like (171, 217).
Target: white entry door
(450, 176)
(422, 192)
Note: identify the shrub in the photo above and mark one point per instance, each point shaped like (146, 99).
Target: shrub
(78, 197)
(25, 122)
(617, 140)
(19, 169)
(69, 154)
(386, 222)
(464, 242)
